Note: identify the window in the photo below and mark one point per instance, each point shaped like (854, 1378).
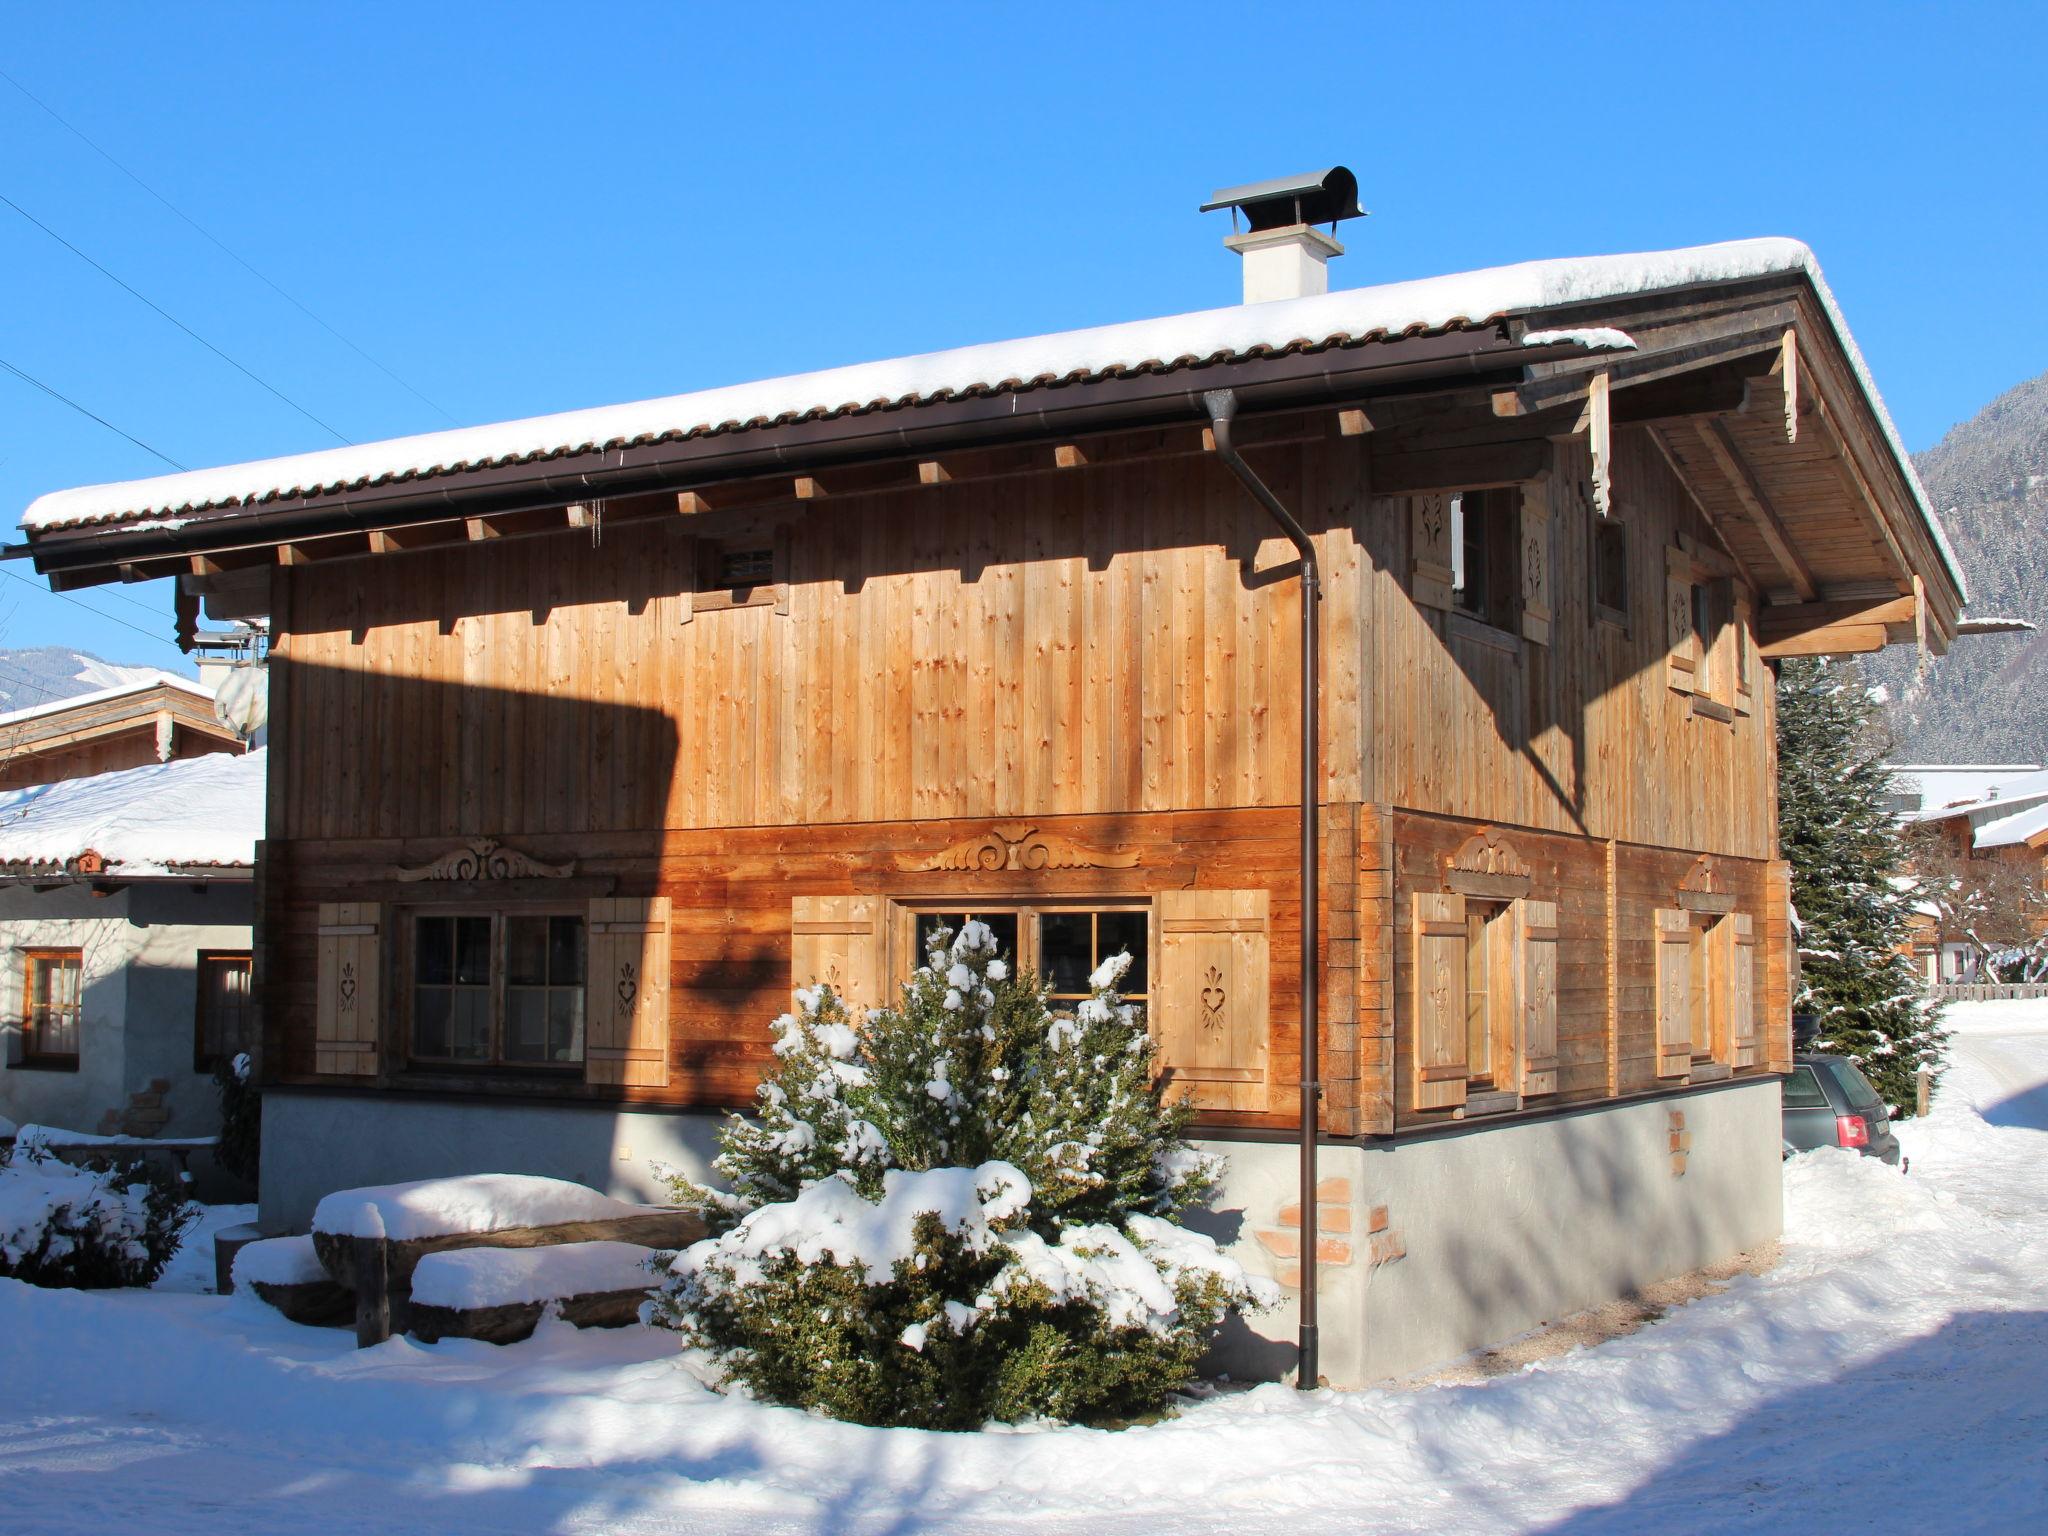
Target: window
(1489, 990)
(497, 988)
(1485, 576)
(1803, 1090)
(1063, 944)
(745, 567)
(1706, 630)
(226, 1012)
(50, 1007)
(1610, 570)
(1699, 1006)
(745, 571)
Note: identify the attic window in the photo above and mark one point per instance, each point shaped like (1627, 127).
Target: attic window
(1485, 574)
(1610, 570)
(745, 567)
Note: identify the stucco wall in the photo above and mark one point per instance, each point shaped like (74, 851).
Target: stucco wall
(1485, 1234)
(140, 946)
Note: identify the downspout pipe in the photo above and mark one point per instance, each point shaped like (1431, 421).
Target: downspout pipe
(1221, 405)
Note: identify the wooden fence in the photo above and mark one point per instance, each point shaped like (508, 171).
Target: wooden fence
(1987, 991)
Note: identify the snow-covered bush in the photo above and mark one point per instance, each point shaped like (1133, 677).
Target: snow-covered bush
(87, 1228)
(958, 1210)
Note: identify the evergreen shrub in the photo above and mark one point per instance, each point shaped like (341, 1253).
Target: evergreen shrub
(87, 1228)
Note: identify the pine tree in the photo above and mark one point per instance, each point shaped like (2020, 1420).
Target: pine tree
(958, 1209)
(1847, 855)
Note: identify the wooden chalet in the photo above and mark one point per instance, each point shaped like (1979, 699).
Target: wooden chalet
(157, 720)
(594, 734)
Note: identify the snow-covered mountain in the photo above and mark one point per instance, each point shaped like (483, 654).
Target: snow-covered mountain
(1987, 700)
(43, 674)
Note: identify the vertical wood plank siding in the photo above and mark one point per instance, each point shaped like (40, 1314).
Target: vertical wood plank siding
(1112, 646)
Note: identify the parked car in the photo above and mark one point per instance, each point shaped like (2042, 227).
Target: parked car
(1828, 1103)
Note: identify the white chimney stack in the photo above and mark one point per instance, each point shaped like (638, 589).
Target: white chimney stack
(1285, 256)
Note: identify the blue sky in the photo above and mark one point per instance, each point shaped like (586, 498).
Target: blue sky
(519, 208)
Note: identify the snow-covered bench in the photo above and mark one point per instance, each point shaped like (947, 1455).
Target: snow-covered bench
(372, 1240)
(287, 1273)
(500, 1294)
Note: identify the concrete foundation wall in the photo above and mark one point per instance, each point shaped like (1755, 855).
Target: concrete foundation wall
(139, 949)
(1434, 1248)
(1430, 1249)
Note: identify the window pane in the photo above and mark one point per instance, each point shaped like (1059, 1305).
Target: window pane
(1065, 944)
(473, 951)
(526, 951)
(526, 1017)
(1119, 931)
(1802, 1090)
(472, 1024)
(565, 1024)
(1004, 926)
(430, 1008)
(1854, 1085)
(565, 951)
(1610, 553)
(434, 946)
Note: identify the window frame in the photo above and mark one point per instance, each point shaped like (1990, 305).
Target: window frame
(202, 1060)
(907, 910)
(495, 1062)
(1498, 583)
(1493, 1047)
(31, 1055)
(1609, 530)
(714, 594)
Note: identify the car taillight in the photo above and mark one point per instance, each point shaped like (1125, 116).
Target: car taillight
(1851, 1131)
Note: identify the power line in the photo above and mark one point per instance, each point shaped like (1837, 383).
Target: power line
(99, 613)
(55, 395)
(232, 255)
(181, 325)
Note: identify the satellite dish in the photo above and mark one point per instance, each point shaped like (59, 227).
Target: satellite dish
(241, 700)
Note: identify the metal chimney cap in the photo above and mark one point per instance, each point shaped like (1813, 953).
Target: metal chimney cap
(1319, 197)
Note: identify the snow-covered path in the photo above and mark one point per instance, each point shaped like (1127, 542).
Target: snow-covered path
(1891, 1374)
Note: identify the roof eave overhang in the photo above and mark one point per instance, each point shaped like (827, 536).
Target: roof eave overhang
(1045, 411)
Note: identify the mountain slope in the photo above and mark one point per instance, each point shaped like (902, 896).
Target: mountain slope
(43, 674)
(1987, 700)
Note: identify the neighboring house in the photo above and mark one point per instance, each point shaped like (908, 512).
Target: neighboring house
(125, 905)
(1979, 836)
(594, 734)
(159, 720)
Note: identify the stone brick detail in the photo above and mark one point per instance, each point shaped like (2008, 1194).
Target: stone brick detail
(145, 1113)
(1376, 1219)
(1386, 1248)
(1681, 1144)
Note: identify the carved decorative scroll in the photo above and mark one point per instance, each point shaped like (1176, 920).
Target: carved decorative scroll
(485, 858)
(1486, 865)
(1014, 846)
(1705, 887)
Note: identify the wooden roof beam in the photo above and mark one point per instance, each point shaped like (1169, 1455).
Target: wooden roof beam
(394, 541)
(1742, 480)
(1663, 447)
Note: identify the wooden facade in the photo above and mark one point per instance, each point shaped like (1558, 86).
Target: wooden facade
(751, 734)
(104, 733)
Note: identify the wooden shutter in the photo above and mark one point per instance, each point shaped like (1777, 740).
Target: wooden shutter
(1741, 989)
(1429, 574)
(839, 940)
(1679, 640)
(1743, 659)
(1210, 1011)
(350, 976)
(1441, 1067)
(1536, 586)
(1537, 921)
(626, 995)
(1674, 992)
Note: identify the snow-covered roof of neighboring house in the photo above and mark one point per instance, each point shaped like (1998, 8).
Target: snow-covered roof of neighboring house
(106, 695)
(2020, 827)
(1946, 789)
(2025, 788)
(1347, 316)
(163, 819)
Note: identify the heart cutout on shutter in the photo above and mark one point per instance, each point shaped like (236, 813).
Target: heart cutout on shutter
(1212, 999)
(629, 988)
(345, 989)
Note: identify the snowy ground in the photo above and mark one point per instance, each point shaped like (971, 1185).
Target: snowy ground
(1891, 1374)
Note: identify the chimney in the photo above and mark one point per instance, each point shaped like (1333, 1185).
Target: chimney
(1285, 256)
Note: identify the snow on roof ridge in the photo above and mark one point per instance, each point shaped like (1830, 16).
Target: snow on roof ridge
(191, 812)
(1416, 304)
(2016, 828)
(102, 695)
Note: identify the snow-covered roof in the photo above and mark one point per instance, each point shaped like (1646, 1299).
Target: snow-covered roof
(156, 820)
(1349, 315)
(106, 695)
(2017, 828)
(2022, 788)
(1948, 789)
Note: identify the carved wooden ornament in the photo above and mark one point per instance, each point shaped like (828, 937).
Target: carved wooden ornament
(1015, 846)
(485, 858)
(1487, 865)
(1704, 888)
